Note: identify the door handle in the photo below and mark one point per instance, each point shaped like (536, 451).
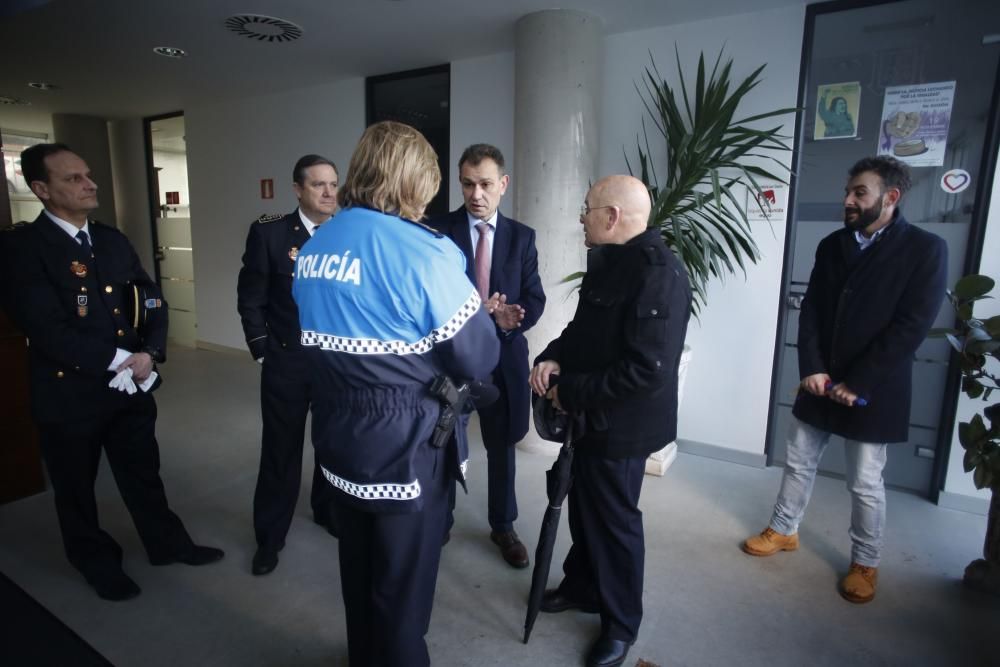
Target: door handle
(795, 301)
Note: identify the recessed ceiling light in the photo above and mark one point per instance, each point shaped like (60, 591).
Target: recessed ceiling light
(13, 101)
(41, 85)
(264, 28)
(170, 51)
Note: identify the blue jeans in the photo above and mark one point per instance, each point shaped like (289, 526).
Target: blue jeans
(865, 462)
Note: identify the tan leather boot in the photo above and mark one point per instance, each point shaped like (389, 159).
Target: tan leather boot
(769, 543)
(859, 584)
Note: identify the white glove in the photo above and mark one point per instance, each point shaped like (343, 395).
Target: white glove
(146, 384)
(260, 360)
(123, 382)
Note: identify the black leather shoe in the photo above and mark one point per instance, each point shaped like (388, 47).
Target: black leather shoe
(264, 561)
(607, 652)
(115, 587)
(511, 548)
(554, 601)
(193, 555)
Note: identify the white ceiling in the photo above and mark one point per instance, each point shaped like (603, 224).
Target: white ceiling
(100, 52)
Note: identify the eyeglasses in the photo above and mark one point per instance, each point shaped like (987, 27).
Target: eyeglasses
(585, 210)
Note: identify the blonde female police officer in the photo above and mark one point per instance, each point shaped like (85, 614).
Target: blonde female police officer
(385, 307)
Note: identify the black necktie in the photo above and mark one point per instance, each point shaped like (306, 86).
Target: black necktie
(84, 240)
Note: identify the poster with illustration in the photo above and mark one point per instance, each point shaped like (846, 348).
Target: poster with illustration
(837, 107)
(915, 122)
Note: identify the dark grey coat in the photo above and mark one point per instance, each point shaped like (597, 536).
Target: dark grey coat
(863, 317)
(619, 356)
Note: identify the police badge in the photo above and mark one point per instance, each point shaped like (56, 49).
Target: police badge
(79, 270)
(293, 253)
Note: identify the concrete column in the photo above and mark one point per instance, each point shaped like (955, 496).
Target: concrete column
(558, 75)
(88, 137)
(131, 185)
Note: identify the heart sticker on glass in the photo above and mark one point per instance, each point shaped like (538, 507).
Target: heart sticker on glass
(955, 180)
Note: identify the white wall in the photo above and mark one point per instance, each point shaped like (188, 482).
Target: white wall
(957, 481)
(482, 111)
(231, 147)
(728, 383)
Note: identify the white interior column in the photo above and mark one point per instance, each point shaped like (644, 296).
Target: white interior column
(128, 167)
(558, 87)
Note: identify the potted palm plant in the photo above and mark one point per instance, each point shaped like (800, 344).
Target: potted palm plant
(977, 343)
(715, 164)
(713, 161)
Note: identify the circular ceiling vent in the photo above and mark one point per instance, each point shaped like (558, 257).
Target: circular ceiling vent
(263, 28)
(8, 100)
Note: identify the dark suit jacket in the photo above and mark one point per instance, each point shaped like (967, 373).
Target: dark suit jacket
(863, 317)
(514, 272)
(264, 289)
(75, 310)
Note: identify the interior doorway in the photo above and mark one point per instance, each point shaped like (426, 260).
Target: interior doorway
(171, 214)
(420, 98)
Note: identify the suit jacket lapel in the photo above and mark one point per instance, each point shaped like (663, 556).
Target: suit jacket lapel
(501, 246)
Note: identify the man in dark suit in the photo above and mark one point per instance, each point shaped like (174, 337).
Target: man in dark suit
(503, 264)
(97, 326)
(617, 366)
(271, 325)
(875, 289)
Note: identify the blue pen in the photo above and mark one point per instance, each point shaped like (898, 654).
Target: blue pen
(860, 402)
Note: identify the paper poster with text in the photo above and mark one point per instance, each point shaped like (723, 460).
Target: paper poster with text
(915, 121)
(837, 106)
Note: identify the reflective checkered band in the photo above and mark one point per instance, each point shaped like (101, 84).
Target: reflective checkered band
(374, 491)
(447, 330)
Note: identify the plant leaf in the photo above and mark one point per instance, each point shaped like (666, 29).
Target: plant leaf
(974, 285)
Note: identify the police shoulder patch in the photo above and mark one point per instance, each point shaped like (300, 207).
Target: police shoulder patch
(17, 225)
(269, 217)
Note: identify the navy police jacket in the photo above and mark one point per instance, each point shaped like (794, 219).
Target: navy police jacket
(76, 310)
(385, 307)
(264, 288)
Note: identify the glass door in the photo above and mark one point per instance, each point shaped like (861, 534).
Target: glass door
(913, 79)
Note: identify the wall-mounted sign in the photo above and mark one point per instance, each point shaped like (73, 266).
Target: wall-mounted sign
(173, 198)
(955, 180)
(267, 188)
(770, 205)
(915, 122)
(837, 106)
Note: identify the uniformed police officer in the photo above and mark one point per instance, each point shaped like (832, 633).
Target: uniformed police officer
(386, 308)
(271, 325)
(71, 284)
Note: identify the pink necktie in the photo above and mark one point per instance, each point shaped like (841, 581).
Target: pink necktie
(483, 261)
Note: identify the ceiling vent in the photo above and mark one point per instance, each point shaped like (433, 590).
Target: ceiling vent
(263, 28)
(7, 100)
